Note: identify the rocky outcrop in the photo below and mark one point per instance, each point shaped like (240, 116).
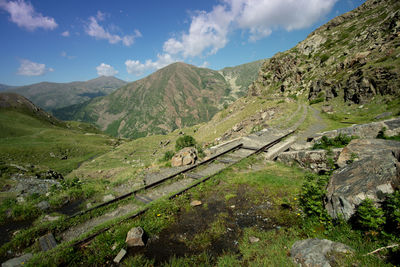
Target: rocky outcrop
(319, 252)
(26, 186)
(314, 160)
(369, 130)
(374, 174)
(186, 156)
(326, 90)
(354, 56)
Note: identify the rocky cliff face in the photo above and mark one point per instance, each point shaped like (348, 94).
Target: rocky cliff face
(354, 56)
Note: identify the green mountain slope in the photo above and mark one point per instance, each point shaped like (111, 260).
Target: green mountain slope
(57, 95)
(30, 136)
(354, 58)
(176, 96)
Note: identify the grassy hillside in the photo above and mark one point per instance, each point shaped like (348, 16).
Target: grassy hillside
(29, 136)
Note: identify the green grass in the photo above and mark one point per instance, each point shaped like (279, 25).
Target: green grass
(27, 140)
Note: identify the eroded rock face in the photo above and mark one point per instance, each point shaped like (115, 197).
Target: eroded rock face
(318, 252)
(315, 160)
(374, 174)
(186, 156)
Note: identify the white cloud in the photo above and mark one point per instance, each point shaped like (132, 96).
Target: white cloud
(106, 70)
(135, 67)
(64, 54)
(30, 68)
(24, 15)
(260, 17)
(65, 34)
(209, 31)
(94, 29)
(205, 64)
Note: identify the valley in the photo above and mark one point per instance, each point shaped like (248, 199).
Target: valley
(269, 163)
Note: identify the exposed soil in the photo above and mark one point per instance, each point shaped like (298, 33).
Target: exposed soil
(179, 239)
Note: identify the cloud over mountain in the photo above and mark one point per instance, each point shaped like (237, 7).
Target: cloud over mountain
(106, 70)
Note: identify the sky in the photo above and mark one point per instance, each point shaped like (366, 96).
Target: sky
(75, 40)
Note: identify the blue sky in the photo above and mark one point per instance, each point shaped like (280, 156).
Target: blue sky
(63, 41)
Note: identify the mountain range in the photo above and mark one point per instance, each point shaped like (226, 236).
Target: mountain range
(176, 96)
(51, 96)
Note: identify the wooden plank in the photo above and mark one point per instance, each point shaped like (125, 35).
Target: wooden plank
(227, 161)
(193, 175)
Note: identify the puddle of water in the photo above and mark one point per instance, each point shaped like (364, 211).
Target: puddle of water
(70, 208)
(176, 239)
(7, 229)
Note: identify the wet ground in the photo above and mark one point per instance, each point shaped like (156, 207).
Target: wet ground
(182, 238)
(9, 228)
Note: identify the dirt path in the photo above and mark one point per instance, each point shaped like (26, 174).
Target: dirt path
(317, 126)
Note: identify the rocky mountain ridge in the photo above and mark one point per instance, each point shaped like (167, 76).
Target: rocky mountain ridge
(355, 56)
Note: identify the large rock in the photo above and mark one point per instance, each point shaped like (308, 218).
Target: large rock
(361, 148)
(375, 173)
(318, 252)
(135, 237)
(19, 261)
(186, 156)
(315, 160)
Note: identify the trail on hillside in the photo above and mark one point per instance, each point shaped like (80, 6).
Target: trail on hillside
(317, 126)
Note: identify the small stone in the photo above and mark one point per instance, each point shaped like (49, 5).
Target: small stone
(195, 203)
(233, 206)
(44, 205)
(89, 205)
(108, 197)
(135, 237)
(254, 239)
(50, 218)
(120, 255)
(20, 199)
(114, 246)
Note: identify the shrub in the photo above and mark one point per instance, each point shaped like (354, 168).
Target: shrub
(324, 58)
(184, 141)
(339, 141)
(368, 217)
(312, 196)
(168, 155)
(391, 207)
(317, 100)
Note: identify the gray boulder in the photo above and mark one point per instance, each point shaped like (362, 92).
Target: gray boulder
(19, 261)
(318, 252)
(376, 173)
(43, 205)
